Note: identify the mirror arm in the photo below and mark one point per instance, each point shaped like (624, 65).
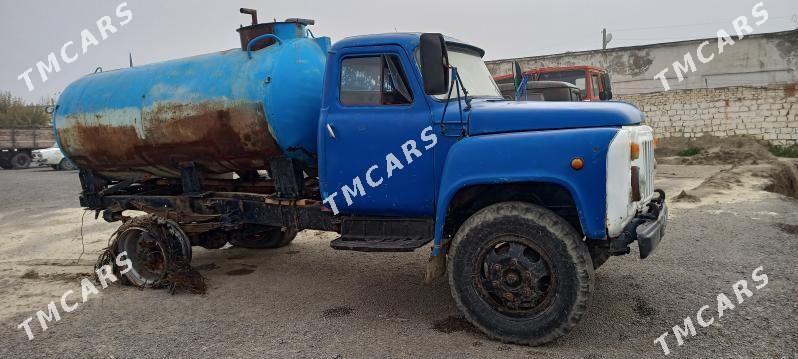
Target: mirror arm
(446, 105)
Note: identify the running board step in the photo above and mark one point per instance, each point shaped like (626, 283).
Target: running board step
(379, 244)
(383, 234)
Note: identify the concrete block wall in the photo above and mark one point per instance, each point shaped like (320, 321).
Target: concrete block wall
(767, 113)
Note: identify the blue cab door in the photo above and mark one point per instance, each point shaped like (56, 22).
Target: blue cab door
(374, 159)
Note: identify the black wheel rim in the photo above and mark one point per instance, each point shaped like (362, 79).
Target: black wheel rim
(516, 277)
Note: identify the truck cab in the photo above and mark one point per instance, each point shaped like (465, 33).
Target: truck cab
(395, 141)
(501, 183)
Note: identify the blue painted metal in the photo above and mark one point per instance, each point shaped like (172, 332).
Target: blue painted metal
(221, 110)
(365, 135)
(543, 156)
(261, 38)
(510, 116)
(505, 142)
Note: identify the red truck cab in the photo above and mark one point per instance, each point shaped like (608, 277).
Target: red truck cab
(594, 82)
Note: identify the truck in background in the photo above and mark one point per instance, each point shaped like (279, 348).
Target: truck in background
(17, 144)
(542, 91)
(395, 141)
(594, 82)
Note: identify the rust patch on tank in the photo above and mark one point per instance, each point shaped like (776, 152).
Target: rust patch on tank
(218, 136)
(97, 146)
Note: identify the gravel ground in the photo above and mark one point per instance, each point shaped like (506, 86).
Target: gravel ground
(307, 300)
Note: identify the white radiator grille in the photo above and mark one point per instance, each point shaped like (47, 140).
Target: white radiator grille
(646, 164)
(648, 148)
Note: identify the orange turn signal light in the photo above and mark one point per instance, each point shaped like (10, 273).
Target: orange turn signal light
(635, 151)
(577, 163)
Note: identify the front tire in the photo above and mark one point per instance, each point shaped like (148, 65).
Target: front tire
(520, 273)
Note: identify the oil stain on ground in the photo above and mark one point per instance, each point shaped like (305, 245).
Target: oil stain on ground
(787, 228)
(643, 309)
(206, 267)
(240, 271)
(337, 312)
(30, 274)
(453, 324)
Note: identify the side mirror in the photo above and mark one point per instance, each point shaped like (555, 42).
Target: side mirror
(434, 63)
(606, 94)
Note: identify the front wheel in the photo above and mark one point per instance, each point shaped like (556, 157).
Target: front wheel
(520, 273)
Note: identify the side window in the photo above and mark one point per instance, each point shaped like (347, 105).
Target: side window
(594, 85)
(374, 81)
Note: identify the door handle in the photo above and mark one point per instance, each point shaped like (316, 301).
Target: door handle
(330, 131)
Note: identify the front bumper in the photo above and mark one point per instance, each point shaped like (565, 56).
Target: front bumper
(646, 228)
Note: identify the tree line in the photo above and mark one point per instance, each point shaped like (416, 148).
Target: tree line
(17, 113)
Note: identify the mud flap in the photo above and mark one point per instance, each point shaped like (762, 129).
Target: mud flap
(436, 268)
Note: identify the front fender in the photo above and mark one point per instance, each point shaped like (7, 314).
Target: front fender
(542, 156)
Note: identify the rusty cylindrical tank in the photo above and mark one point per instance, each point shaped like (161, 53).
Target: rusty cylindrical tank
(230, 111)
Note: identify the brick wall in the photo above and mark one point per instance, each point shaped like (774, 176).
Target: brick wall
(767, 113)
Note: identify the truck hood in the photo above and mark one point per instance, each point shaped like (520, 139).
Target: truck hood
(509, 116)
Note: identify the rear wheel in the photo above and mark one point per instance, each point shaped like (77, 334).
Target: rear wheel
(274, 237)
(520, 273)
(5, 164)
(20, 160)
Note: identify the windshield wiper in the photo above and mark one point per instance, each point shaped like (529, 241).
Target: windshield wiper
(457, 83)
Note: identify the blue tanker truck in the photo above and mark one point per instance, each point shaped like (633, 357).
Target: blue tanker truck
(395, 141)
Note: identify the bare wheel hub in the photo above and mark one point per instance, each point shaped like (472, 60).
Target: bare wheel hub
(147, 255)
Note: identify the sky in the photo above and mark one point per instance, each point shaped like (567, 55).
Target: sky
(163, 30)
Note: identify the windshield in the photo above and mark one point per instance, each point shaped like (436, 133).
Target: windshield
(576, 77)
(475, 75)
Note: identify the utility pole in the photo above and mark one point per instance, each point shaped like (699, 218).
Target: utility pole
(605, 38)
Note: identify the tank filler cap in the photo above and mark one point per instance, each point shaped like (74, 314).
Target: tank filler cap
(305, 22)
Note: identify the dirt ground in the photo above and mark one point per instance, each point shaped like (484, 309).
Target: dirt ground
(307, 300)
